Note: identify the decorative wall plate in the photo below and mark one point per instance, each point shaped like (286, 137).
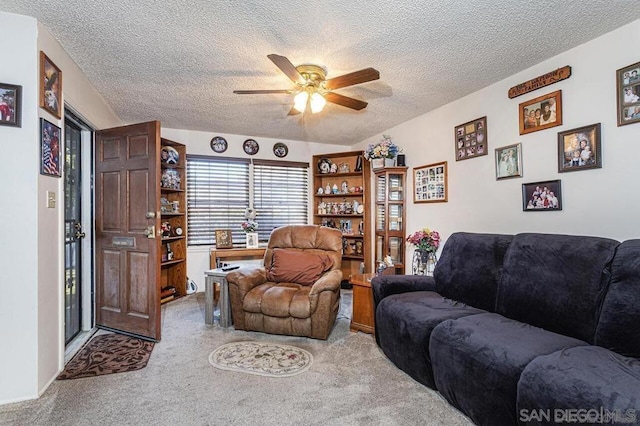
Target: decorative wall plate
(250, 146)
(219, 144)
(169, 155)
(280, 150)
(324, 165)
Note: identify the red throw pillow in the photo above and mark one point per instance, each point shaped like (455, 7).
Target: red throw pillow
(297, 266)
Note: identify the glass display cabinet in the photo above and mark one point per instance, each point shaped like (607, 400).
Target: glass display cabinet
(390, 216)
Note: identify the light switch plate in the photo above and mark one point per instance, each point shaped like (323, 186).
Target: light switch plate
(51, 199)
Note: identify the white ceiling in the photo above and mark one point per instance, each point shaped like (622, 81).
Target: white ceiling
(179, 61)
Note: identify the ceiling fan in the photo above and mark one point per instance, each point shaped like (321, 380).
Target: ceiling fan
(312, 87)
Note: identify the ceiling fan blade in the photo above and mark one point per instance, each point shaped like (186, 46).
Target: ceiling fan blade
(260, 92)
(356, 77)
(287, 67)
(293, 112)
(345, 101)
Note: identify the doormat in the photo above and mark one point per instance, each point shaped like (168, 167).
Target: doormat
(108, 354)
(263, 359)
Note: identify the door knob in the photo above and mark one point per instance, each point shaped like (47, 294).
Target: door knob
(80, 235)
(150, 232)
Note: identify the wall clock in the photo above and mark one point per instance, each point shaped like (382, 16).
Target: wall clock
(280, 150)
(219, 144)
(250, 146)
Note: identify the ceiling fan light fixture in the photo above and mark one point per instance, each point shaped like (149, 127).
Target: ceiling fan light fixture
(317, 102)
(300, 101)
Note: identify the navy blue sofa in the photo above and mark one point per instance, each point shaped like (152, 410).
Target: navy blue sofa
(521, 329)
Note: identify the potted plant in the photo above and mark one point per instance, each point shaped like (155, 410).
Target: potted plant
(382, 154)
(426, 242)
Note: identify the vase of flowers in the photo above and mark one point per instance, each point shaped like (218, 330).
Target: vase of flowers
(382, 154)
(426, 242)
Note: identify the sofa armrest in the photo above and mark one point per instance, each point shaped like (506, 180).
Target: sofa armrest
(247, 278)
(329, 281)
(386, 285)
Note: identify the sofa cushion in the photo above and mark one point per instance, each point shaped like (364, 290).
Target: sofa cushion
(477, 361)
(619, 324)
(403, 327)
(469, 268)
(279, 300)
(592, 379)
(556, 282)
(296, 266)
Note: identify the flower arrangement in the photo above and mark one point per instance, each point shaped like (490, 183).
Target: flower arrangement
(425, 240)
(249, 226)
(383, 149)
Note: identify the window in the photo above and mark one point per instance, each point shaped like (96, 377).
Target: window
(219, 190)
(280, 195)
(217, 194)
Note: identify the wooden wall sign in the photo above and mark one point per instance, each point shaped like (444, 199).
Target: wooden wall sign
(538, 82)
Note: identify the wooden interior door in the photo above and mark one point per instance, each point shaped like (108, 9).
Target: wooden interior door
(127, 224)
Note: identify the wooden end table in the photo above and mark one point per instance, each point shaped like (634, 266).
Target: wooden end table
(362, 317)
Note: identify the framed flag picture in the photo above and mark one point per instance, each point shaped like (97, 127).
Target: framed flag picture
(50, 137)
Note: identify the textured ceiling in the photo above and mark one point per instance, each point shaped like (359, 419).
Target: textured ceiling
(179, 62)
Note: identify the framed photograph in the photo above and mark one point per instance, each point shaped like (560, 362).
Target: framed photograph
(50, 137)
(252, 240)
(541, 113)
(541, 196)
(224, 240)
(628, 90)
(50, 86)
(509, 161)
(430, 183)
(10, 105)
(580, 149)
(471, 139)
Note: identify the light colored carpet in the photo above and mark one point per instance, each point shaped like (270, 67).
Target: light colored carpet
(350, 383)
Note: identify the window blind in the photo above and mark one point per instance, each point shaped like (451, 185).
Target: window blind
(281, 195)
(217, 194)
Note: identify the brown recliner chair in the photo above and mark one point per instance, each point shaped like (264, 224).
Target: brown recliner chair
(297, 291)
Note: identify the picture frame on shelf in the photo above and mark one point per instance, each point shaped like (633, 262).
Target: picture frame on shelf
(430, 183)
(50, 86)
(509, 161)
(252, 240)
(224, 239)
(628, 94)
(540, 113)
(471, 139)
(542, 196)
(580, 149)
(10, 105)
(50, 139)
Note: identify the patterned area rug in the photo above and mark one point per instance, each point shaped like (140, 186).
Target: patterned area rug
(263, 359)
(107, 354)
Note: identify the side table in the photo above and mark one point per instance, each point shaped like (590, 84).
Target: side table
(362, 318)
(211, 277)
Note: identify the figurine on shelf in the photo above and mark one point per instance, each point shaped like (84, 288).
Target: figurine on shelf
(345, 187)
(166, 229)
(327, 189)
(322, 208)
(334, 168)
(344, 168)
(169, 252)
(320, 191)
(334, 189)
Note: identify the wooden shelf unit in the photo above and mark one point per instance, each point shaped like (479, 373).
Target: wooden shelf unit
(174, 270)
(356, 246)
(390, 198)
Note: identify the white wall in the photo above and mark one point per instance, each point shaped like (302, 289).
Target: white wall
(601, 202)
(198, 143)
(18, 253)
(31, 309)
